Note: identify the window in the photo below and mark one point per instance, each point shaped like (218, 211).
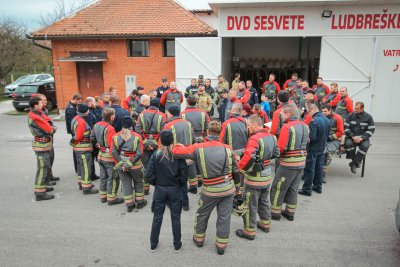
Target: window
(169, 48)
(138, 48)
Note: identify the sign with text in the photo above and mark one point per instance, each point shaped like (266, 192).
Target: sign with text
(308, 21)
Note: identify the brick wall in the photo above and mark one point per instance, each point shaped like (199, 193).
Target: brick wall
(148, 70)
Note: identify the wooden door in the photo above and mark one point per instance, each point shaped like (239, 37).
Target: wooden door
(90, 78)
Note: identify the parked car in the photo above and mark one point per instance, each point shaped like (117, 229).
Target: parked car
(9, 89)
(397, 215)
(24, 92)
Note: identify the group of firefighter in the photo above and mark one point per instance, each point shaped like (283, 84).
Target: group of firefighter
(226, 136)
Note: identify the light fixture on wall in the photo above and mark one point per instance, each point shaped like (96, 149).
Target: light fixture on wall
(326, 14)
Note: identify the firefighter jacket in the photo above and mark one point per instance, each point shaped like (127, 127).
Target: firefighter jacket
(211, 91)
(263, 116)
(235, 84)
(150, 121)
(181, 129)
(204, 101)
(337, 127)
(105, 104)
(70, 113)
(80, 134)
(191, 90)
(119, 113)
(234, 132)
(292, 144)
(359, 124)
(41, 130)
(289, 84)
(277, 121)
(127, 153)
(244, 96)
(131, 103)
(264, 145)
(331, 99)
(222, 85)
(171, 98)
(217, 165)
(199, 120)
(271, 89)
(344, 107)
(321, 91)
(139, 109)
(319, 132)
(229, 106)
(101, 137)
(253, 96)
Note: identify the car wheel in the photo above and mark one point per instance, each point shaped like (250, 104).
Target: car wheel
(50, 105)
(20, 109)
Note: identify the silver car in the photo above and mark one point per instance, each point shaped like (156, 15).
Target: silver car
(9, 89)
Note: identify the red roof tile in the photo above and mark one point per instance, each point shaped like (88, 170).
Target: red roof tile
(119, 18)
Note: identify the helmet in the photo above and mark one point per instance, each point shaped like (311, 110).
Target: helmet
(239, 206)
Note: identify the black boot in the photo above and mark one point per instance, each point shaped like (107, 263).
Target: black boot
(220, 251)
(193, 190)
(287, 216)
(264, 229)
(353, 167)
(141, 205)
(146, 192)
(44, 197)
(95, 177)
(130, 208)
(54, 178)
(90, 191)
(304, 193)
(116, 201)
(49, 189)
(197, 243)
(103, 200)
(242, 234)
(50, 183)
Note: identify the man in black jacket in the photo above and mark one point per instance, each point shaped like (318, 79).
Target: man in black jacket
(253, 93)
(70, 112)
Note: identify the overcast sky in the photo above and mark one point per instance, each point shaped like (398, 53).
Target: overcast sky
(29, 11)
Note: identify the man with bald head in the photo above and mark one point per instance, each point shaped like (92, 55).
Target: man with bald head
(171, 97)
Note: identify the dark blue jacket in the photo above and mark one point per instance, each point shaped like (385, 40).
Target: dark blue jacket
(98, 111)
(253, 97)
(119, 113)
(70, 113)
(319, 132)
(222, 110)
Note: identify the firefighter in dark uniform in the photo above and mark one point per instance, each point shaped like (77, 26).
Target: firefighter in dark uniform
(183, 133)
(277, 120)
(321, 90)
(70, 113)
(220, 173)
(345, 104)
(82, 148)
(333, 98)
(223, 101)
(212, 93)
(297, 93)
(92, 119)
(271, 89)
(119, 113)
(131, 102)
(260, 149)
(127, 152)
(358, 128)
(42, 144)
(291, 83)
(161, 90)
(171, 97)
(101, 137)
(149, 125)
(199, 120)
(292, 144)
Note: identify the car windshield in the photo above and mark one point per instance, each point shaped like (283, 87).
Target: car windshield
(25, 79)
(26, 89)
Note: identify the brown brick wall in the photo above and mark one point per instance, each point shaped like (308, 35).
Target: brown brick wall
(148, 70)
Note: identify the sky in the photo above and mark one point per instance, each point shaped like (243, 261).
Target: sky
(29, 11)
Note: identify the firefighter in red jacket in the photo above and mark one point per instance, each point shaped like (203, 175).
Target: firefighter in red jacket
(82, 148)
(42, 144)
(171, 97)
(260, 149)
(333, 98)
(291, 83)
(243, 93)
(271, 88)
(232, 96)
(101, 137)
(335, 137)
(321, 90)
(345, 105)
(258, 110)
(277, 120)
(220, 173)
(131, 102)
(292, 144)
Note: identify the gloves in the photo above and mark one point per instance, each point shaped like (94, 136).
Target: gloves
(72, 141)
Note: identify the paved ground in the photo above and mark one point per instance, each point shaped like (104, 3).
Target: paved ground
(350, 224)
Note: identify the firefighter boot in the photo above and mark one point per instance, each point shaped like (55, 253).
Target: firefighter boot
(44, 197)
(130, 208)
(141, 204)
(287, 216)
(54, 178)
(220, 251)
(50, 183)
(90, 191)
(353, 167)
(242, 234)
(49, 189)
(116, 201)
(197, 243)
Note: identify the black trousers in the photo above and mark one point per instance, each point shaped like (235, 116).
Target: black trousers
(162, 195)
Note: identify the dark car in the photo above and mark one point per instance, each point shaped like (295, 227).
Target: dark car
(25, 91)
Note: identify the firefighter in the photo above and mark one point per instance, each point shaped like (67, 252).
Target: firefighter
(235, 82)
(232, 99)
(105, 100)
(223, 101)
(345, 105)
(161, 90)
(82, 148)
(183, 133)
(297, 93)
(70, 112)
(359, 128)
(260, 149)
(271, 88)
(149, 125)
(131, 102)
(334, 138)
(321, 90)
(292, 144)
(291, 83)
(204, 100)
(258, 111)
(333, 97)
(144, 104)
(127, 152)
(119, 113)
(218, 168)
(319, 132)
(197, 117)
(92, 119)
(243, 94)
(222, 84)
(253, 93)
(277, 120)
(192, 89)
(171, 97)
(101, 136)
(246, 111)
(211, 92)
(42, 144)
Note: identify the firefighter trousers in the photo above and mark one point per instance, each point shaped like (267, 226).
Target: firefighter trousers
(284, 190)
(331, 148)
(84, 162)
(132, 178)
(192, 176)
(51, 162)
(224, 205)
(258, 202)
(42, 172)
(109, 180)
(350, 147)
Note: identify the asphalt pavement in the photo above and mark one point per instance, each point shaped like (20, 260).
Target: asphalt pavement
(350, 224)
